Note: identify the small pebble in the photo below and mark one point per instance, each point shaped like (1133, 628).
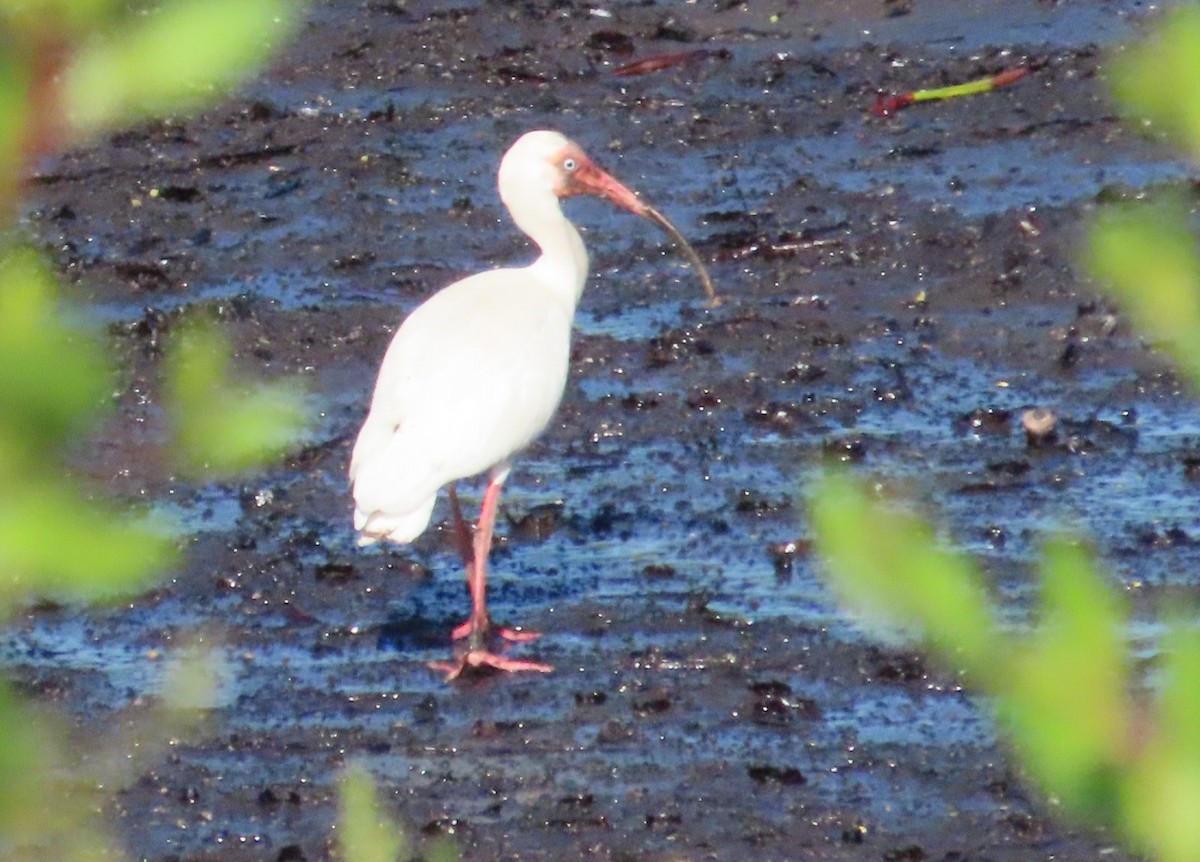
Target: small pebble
(1041, 427)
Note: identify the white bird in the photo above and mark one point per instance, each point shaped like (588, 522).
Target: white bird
(475, 373)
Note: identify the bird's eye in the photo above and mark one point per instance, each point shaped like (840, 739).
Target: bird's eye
(569, 164)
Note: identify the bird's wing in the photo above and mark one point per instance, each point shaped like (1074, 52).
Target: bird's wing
(471, 377)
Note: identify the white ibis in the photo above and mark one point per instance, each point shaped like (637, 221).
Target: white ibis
(475, 373)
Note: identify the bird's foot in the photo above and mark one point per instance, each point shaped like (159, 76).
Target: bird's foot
(480, 634)
(476, 657)
(481, 660)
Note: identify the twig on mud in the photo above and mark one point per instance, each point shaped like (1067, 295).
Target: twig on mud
(666, 61)
(783, 246)
(886, 105)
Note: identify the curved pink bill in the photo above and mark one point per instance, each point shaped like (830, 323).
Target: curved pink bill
(591, 180)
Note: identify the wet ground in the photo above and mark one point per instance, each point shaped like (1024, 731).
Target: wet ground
(899, 290)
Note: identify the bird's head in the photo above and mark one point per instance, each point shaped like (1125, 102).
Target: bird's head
(544, 165)
(545, 161)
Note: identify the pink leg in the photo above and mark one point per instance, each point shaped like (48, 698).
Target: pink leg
(479, 621)
(478, 627)
(479, 624)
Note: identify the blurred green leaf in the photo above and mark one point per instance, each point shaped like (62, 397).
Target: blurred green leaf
(1147, 258)
(886, 564)
(1063, 688)
(54, 382)
(1156, 79)
(34, 17)
(1066, 701)
(174, 58)
(103, 62)
(223, 427)
(54, 378)
(53, 540)
(23, 747)
(47, 811)
(367, 835)
(193, 680)
(1162, 793)
(14, 113)
(1179, 714)
(1060, 689)
(441, 850)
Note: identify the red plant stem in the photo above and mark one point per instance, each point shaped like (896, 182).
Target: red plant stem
(660, 62)
(886, 105)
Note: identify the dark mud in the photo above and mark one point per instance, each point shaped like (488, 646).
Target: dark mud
(899, 291)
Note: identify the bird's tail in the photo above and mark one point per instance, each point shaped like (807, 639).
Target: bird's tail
(399, 528)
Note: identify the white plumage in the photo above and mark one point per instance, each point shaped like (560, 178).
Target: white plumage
(476, 372)
(470, 379)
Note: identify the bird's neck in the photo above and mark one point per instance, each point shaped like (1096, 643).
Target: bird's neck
(563, 265)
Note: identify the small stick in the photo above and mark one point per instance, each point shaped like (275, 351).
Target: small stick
(666, 61)
(887, 105)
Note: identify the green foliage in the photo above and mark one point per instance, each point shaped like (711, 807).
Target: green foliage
(44, 813)
(14, 110)
(71, 16)
(1144, 254)
(922, 584)
(367, 833)
(51, 807)
(1064, 697)
(1163, 791)
(1155, 81)
(174, 58)
(55, 541)
(53, 376)
(69, 67)
(224, 428)
(1147, 258)
(1062, 690)
(54, 383)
